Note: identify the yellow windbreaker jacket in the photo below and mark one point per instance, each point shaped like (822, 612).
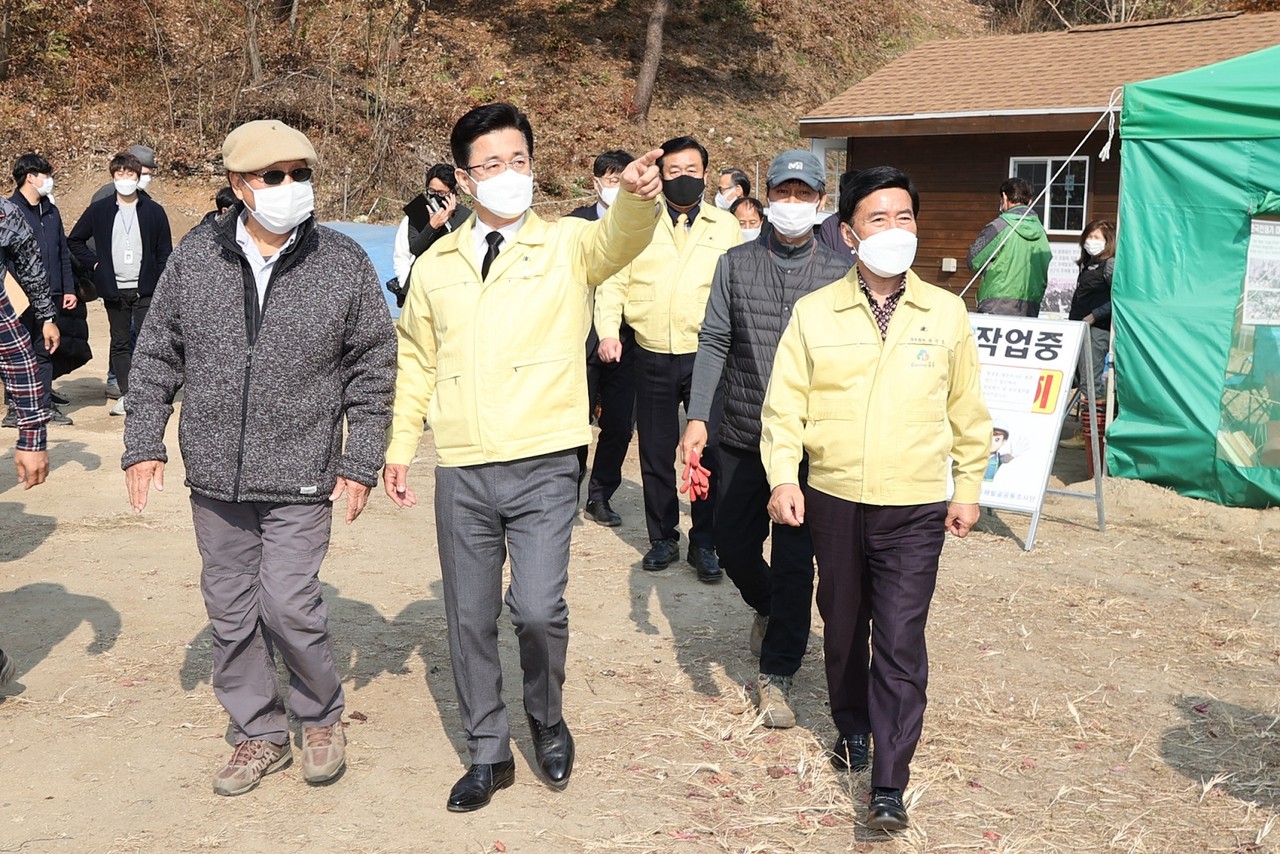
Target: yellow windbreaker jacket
(879, 420)
(663, 294)
(496, 367)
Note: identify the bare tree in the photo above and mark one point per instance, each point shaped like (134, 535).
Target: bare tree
(648, 75)
(6, 36)
(252, 54)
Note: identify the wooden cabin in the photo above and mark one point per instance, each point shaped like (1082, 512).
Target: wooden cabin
(961, 116)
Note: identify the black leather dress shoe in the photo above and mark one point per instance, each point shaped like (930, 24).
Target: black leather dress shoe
(477, 786)
(886, 811)
(851, 752)
(602, 514)
(553, 748)
(708, 565)
(661, 554)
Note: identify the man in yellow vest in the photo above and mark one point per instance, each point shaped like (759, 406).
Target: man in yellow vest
(491, 356)
(663, 296)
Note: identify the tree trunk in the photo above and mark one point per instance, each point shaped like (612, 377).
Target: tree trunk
(648, 76)
(6, 34)
(251, 52)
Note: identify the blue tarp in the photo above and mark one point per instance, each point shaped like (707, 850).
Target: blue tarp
(378, 241)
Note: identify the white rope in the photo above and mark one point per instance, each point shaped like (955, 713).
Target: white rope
(1109, 113)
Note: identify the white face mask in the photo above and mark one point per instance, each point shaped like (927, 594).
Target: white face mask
(126, 186)
(888, 253)
(723, 202)
(144, 181)
(283, 208)
(507, 195)
(46, 187)
(793, 219)
(750, 234)
(1095, 247)
(608, 195)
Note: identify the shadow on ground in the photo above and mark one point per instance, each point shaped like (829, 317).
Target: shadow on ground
(1227, 748)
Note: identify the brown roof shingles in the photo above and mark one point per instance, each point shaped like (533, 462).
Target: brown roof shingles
(1064, 70)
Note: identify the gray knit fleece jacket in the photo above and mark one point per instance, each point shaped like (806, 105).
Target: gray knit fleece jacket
(265, 387)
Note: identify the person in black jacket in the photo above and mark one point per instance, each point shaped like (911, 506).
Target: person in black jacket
(755, 286)
(428, 217)
(33, 181)
(131, 245)
(610, 385)
(1091, 301)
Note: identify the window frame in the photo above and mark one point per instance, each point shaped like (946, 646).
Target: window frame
(1047, 161)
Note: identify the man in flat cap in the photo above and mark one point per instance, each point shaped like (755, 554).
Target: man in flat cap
(276, 329)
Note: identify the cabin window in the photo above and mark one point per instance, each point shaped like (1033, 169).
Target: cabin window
(1062, 210)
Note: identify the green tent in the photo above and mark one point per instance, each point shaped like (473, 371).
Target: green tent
(1197, 341)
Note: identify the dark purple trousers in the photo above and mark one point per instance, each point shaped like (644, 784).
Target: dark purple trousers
(879, 564)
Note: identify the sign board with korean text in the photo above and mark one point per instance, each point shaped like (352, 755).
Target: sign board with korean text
(1028, 370)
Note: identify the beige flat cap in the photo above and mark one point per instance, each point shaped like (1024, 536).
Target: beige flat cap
(256, 145)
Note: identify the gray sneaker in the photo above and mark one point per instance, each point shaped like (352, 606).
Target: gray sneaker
(113, 391)
(119, 408)
(759, 625)
(324, 753)
(10, 418)
(773, 697)
(251, 761)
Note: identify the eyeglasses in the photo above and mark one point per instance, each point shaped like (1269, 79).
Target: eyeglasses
(493, 168)
(276, 176)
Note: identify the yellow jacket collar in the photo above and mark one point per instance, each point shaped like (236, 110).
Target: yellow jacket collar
(919, 293)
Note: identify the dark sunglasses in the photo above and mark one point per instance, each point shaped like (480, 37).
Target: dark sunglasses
(276, 176)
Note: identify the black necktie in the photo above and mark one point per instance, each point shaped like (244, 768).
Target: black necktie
(494, 239)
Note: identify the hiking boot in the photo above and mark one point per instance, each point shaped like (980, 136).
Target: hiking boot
(773, 696)
(57, 416)
(324, 753)
(119, 408)
(10, 418)
(251, 761)
(759, 625)
(7, 668)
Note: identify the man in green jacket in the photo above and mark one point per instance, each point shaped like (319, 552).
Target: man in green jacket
(1015, 278)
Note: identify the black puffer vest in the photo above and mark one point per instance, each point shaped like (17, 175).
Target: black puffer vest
(761, 297)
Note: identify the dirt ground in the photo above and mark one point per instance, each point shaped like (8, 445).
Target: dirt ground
(1105, 691)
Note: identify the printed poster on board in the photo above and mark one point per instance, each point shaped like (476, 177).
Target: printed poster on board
(1028, 366)
(1064, 271)
(1262, 274)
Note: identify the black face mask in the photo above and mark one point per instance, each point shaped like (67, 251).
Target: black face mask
(684, 191)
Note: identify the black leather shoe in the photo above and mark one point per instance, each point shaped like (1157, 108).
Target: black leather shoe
(477, 786)
(553, 748)
(886, 811)
(851, 752)
(602, 514)
(661, 554)
(704, 560)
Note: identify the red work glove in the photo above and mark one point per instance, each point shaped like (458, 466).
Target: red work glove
(695, 479)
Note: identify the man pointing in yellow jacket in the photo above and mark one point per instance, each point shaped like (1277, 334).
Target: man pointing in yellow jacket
(491, 356)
